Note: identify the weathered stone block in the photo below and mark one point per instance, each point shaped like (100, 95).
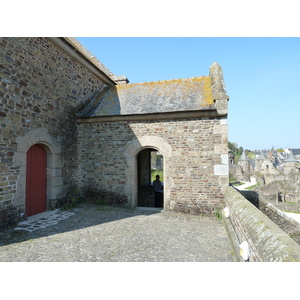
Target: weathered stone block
(221, 170)
(221, 149)
(225, 159)
(220, 129)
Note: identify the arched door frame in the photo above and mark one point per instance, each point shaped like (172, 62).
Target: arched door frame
(41, 137)
(131, 152)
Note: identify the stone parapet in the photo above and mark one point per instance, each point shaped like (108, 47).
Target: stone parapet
(267, 242)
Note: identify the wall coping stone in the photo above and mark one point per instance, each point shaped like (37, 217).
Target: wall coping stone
(266, 239)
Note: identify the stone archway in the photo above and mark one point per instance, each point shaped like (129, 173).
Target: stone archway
(41, 137)
(131, 151)
(150, 164)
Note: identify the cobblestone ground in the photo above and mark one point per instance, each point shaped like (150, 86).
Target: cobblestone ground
(92, 233)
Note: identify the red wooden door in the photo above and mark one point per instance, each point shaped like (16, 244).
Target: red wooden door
(36, 180)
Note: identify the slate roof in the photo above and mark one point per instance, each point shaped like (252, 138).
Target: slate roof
(244, 157)
(261, 156)
(291, 158)
(156, 97)
(296, 151)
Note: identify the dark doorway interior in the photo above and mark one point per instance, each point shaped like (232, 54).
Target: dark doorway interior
(150, 164)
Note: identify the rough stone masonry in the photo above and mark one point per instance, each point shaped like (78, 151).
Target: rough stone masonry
(92, 125)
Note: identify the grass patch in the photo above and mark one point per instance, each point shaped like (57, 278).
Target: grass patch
(238, 184)
(251, 187)
(232, 178)
(218, 215)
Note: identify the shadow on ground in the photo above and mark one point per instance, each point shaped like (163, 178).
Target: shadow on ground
(84, 216)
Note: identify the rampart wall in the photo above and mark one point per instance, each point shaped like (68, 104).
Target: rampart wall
(267, 242)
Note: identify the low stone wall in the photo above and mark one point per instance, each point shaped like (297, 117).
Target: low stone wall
(291, 207)
(267, 242)
(275, 212)
(286, 223)
(282, 193)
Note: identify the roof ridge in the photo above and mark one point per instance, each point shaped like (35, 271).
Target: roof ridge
(167, 80)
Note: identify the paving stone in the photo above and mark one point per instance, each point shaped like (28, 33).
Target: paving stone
(90, 234)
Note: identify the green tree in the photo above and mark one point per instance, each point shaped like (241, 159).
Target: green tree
(233, 147)
(250, 154)
(240, 150)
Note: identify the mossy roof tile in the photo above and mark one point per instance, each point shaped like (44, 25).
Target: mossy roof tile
(157, 97)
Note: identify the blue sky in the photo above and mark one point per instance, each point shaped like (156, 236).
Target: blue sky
(261, 74)
(262, 77)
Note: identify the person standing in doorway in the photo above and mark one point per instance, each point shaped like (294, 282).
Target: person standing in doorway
(158, 188)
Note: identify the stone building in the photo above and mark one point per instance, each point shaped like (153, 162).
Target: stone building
(290, 163)
(244, 162)
(69, 125)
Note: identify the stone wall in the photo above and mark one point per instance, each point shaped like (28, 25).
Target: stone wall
(267, 242)
(284, 194)
(41, 90)
(195, 159)
(46, 83)
(286, 223)
(275, 212)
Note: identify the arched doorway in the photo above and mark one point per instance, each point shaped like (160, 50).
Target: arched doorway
(150, 164)
(55, 187)
(132, 150)
(36, 180)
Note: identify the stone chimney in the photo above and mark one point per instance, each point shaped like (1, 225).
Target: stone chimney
(218, 88)
(121, 80)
